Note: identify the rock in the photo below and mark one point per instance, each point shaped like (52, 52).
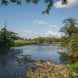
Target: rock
(49, 70)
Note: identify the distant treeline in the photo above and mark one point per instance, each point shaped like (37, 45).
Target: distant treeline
(10, 39)
(37, 41)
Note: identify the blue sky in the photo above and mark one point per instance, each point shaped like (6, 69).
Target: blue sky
(28, 20)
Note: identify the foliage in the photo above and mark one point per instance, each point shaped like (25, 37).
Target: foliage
(70, 27)
(73, 67)
(6, 40)
(38, 41)
(74, 42)
(23, 42)
(71, 30)
(49, 3)
(46, 40)
(70, 40)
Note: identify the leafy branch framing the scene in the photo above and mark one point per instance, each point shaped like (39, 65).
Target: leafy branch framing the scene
(49, 3)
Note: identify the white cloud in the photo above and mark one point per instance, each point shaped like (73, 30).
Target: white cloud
(25, 34)
(49, 30)
(40, 22)
(49, 34)
(44, 23)
(70, 3)
(54, 34)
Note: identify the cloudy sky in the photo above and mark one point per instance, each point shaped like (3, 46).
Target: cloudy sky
(28, 20)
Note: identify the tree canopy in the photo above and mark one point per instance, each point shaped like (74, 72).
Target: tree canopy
(6, 40)
(70, 26)
(71, 37)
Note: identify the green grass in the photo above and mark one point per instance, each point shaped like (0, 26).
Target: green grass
(73, 67)
(22, 42)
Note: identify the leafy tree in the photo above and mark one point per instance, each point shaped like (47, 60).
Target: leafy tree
(70, 27)
(6, 40)
(74, 43)
(71, 38)
(39, 40)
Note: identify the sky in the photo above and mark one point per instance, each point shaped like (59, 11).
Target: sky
(28, 21)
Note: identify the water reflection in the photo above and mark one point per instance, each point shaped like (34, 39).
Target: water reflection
(8, 66)
(14, 63)
(24, 59)
(63, 58)
(34, 53)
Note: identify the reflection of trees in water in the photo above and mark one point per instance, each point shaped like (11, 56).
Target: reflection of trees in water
(16, 55)
(66, 58)
(9, 56)
(3, 61)
(4, 58)
(24, 59)
(63, 58)
(8, 67)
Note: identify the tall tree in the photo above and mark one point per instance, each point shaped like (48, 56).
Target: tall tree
(6, 40)
(71, 38)
(70, 27)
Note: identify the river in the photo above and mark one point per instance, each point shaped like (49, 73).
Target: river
(9, 68)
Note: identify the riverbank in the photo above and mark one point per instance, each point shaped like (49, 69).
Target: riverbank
(30, 42)
(38, 52)
(48, 70)
(22, 43)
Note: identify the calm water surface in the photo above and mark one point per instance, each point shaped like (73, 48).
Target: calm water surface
(9, 68)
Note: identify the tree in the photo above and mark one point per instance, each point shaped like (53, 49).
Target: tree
(49, 3)
(6, 40)
(70, 27)
(71, 38)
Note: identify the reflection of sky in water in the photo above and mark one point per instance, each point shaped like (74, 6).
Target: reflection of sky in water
(42, 52)
(10, 69)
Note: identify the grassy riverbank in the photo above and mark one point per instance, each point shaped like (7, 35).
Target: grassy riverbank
(22, 42)
(73, 68)
(36, 41)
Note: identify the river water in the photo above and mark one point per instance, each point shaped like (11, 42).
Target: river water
(9, 68)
